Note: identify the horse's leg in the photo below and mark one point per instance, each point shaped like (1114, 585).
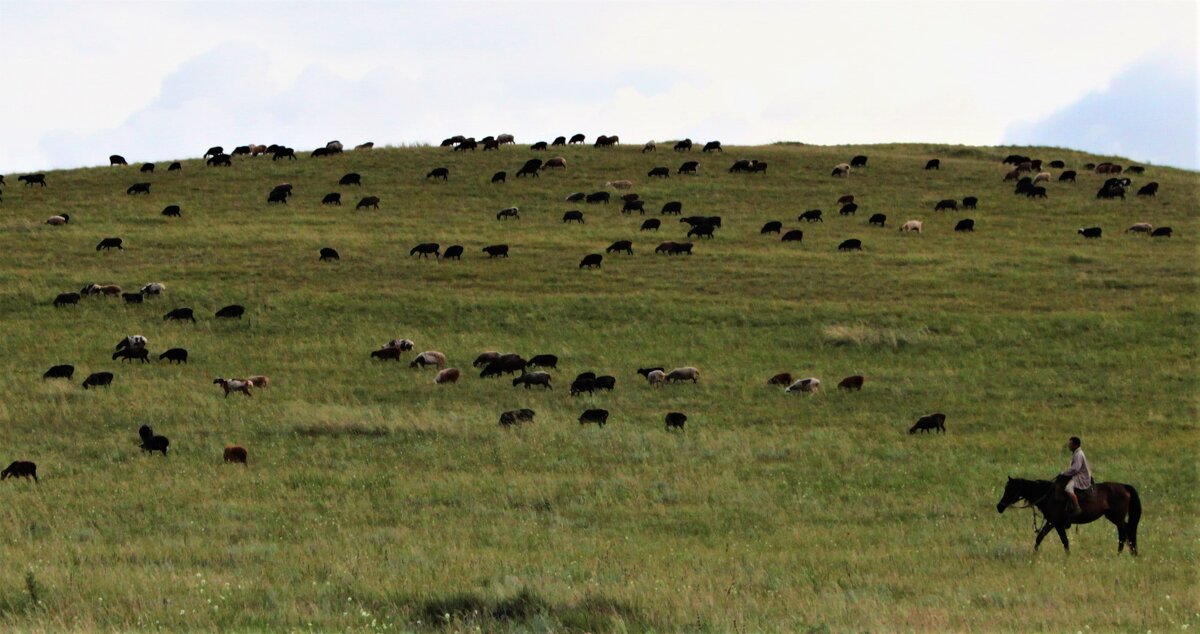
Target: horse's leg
(1122, 530)
(1062, 534)
(1041, 534)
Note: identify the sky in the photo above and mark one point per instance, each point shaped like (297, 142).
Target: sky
(164, 80)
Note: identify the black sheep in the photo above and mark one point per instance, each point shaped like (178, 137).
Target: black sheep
(152, 442)
(795, 235)
(935, 422)
(496, 250)
(543, 361)
(651, 224)
(174, 355)
(98, 379)
(675, 420)
(351, 179)
(233, 311)
(129, 354)
(573, 216)
(877, 219)
(439, 172)
(620, 246)
(180, 314)
(329, 254)
(590, 261)
(64, 371)
(110, 243)
(64, 299)
(933, 164)
(774, 226)
(332, 198)
(598, 416)
(426, 249)
(20, 469)
(171, 210)
(853, 244)
(369, 201)
(453, 252)
(500, 177)
(138, 188)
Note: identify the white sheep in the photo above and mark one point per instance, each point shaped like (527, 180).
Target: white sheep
(656, 378)
(913, 225)
(806, 386)
(154, 288)
(683, 374)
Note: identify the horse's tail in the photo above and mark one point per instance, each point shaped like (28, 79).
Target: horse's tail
(1135, 515)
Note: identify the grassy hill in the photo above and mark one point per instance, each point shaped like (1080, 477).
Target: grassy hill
(377, 500)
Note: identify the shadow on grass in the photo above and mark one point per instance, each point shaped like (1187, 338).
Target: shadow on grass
(592, 614)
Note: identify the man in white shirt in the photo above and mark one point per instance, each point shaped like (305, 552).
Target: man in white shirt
(1079, 473)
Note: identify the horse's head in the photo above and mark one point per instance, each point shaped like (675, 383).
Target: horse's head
(1012, 494)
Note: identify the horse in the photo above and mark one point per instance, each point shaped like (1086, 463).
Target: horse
(1112, 500)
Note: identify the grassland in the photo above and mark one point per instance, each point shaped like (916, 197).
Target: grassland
(377, 500)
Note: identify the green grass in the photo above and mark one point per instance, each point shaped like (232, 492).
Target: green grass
(375, 499)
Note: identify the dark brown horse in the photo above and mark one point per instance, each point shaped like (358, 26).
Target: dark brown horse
(1112, 500)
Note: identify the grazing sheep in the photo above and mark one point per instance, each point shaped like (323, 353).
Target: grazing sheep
(598, 416)
(848, 209)
(172, 211)
(1110, 191)
(878, 219)
(540, 146)
(1149, 189)
(591, 260)
(804, 386)
(180, 314)
(235, 453)
(557, 162)
(369, 201)
(783, 378)
(933, 164)
(449, 375)
(543, 361)
(713, 146)
(606, 141)
(1042, 177)
(453, 252)
(701, 231)
(174, 355)
(132, 341)
(841, 170)
(531, 379)
(33, 179)
(651, 224)
(110, 290)
(970, 202)
(152, 442)
(241, 150)
(577, 197)
(486, 358)
(511, 212)
(98, 379)
(1161, 232)
(530, 168)
(758, 167)
(620, 246)
(650, 146)
(846, 199)
(606, 382)
(948, 203)
(1037, 192)
(597, 197)
(1067, 177)
(110, 243)
(147, 167)
(132, 298)
(794, 235)
(175, 167)
(439, 172)
(576, 216)
(138, 188)
(65, 299)
(634, 205)
(329, 254)
(852, 383)
(683, 374)
(583, 384)
(213, 151)
(688, 167)
(386, 353)
(1090, 232)
(513, 417)
(675, 420)
(352, 178)
(332, 198)
(1012, 175)
(853, 244)
(646, 371)
(233, 385)
(504, 139)
(812, 215)
(935, 422)
(402, 344)
(154, 288)
(220, 160)
(1135, 169)
(58, 220)
(858, 161)
(20, 469)
(425, 249)
(683, 146)
(1141, 227)
(129, 354)
(773, 226)
(672, 208)
(64, 371)
(258, 381)
(278, 196)
(966, 224)
(429, 357)
(232, 311)
(500, 177)
(1108, 168)
(496, 250)
(116, 159)
(656, 378)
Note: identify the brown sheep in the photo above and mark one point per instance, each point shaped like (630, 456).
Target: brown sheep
(557, 162)
(259, 381)
(449, 375)
(235, 453)
(622, 184)
(852, 383)
(783, 378)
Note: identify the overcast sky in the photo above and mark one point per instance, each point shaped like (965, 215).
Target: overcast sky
(158, 80)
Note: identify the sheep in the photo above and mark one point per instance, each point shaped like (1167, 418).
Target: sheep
(259, 381)
(496, 250)
(332, 198)
(1067, 177)
(783, 378)
(132, 298)
(713, 146)
(620, 246)
(129, 354)
(152, 442)
(806, 386)
(220, 160)
(486, 358)
(606, 382)
(138, 188)
(58, 220)
(652, 224)
(235, 453)
(512, 363)
(513, 417)
(583, 384)
(425, 248)
(620, 184)
(543, 361)
(64, 371)
(598, 416)
(773, 226)
(233, 311)
(965, 225)
(701, 231)
(557, 162)
(1161, 232)
(848, 209)
(180, 314)
(403, 344)
(1037, 192)
(174, 355)
(673, 207)
(597, 197)
(1135, 169)
(970, 202)
(540, 146)
(933, 164)
(66, 299)
(530, 168)
(439, 172)
(233, 385)
(153, 288)
(845, 199)
(575, 197)
(812, 215)
(591, 260)
(20, 469)
(132, 342)
(213, 151)
(853, 244)
(500, 177)
(449, 375)
(503, 139)
(683, 374)
(510, 212)
(1149, 189)
(531, 379)
(110, 243)
(575, 215)
(110, 290)
(661, 171)
(935, 422)
(369, 201)
(1090, 232)
(116, 159)
(33, 179)
(688, 167)
(646, 371)
(429, 357)
(634, 205)
(650, 146)
(852, 383)
(329, 254)
(350, 179)
(277, 196)
(656, 378)
(1141, 227)
(794, 235)
(98, 379)
(948, 203)
(841, 170)
(384, 354)
(878, 219)
(675, 420)
(453, 252)
(1042, 177)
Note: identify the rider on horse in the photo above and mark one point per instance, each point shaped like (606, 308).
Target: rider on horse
(1079, 473)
